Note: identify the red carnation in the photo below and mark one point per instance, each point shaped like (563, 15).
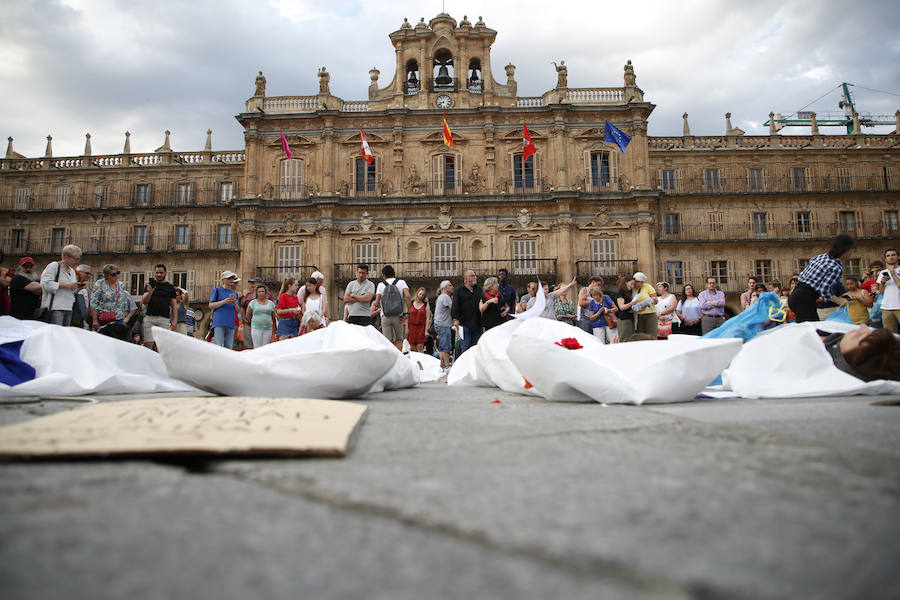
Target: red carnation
(570, 343)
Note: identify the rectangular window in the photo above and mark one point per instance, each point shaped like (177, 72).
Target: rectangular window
(755, 179)
(223, 235)
(760, 224)
(289, 261)
(523, 172)
(716, 222)
(21, 198)
(182, 234)
(365, 175)
(226, 192)
(183, 193)
(100, 196)
(674, 272)
(854, 267)
(672, 224)
(142, 194)
(17, 240)
(798, 178)
(599, 169)
(62, 196)
(719, 270)
(890, 220)
(524, 254)
(843, 179)
(96, 241)
(764, 272)
(140, 235)
(804, 223)
(449, 172)
(291, 171)
(445, 258)
(668, 179)
(57, 238)
(847, 221)
(138, 283)
(800, 264)
(366, 253)
(603, 253)
(179, 279)
(711, 178)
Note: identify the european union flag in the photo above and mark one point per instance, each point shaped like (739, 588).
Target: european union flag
(615, 135)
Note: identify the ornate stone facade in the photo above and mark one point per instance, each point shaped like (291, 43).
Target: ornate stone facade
(677, 208)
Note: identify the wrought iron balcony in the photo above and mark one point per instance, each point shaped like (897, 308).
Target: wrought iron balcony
(151, 198)
(677, 232)
(741, 183)
(429, 273)
(607, 269)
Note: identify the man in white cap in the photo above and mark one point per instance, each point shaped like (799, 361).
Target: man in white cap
(223, 302)
(647, 320)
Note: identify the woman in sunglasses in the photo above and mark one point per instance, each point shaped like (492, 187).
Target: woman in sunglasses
(109, 299)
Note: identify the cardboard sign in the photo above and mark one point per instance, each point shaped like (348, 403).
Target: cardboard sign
(195, 426)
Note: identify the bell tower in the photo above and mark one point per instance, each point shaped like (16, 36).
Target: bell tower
(443, 64)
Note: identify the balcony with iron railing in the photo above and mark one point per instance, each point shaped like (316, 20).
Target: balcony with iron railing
(607, 269)
(777, 232)
(521, 270)
(127, 244)
(152, 198)
(742, 184)
(275, 275)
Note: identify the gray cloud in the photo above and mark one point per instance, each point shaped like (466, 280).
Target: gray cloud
(106, 66)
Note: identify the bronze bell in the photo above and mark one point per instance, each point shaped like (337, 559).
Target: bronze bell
(443, 77)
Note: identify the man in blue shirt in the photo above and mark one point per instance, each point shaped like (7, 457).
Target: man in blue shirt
(507, 291)
(819, 278)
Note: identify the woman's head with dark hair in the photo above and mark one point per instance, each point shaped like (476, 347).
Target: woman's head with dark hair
(873, 353)
(623, 281)
(840, 245)
(685, 289)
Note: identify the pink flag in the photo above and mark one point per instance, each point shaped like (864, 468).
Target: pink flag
(285, 147)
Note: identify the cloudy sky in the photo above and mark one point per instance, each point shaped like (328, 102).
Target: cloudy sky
(106, 66)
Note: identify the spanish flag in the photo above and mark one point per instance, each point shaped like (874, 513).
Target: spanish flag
(528, 148)
(448, 137)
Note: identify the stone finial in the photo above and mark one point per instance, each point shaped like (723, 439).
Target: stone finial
(421, 24)
(896, 123)
(373, 74)
(465, 22)
(480, 22)
(856, 128)
(48, 153)
(511, 78)
(208, 146)
(166, 147)
(260, 85)
(728, 127)
(814, 126)
(406, 24)
(87, 144)
(630, 79)
(9, 148)
(324, 78)
(687, 128)
(772, 128)
(127, 148)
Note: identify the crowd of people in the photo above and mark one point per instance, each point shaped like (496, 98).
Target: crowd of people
(630, 309)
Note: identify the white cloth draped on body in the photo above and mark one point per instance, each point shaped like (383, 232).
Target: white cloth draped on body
(338, 361)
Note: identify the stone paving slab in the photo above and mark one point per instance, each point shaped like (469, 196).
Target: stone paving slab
(448, 494)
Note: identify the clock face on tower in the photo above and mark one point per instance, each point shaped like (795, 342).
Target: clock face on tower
(444, 101)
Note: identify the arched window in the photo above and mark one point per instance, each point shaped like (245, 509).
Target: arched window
(444, 79)
(474, 81)
(413, 83)
(291, 187)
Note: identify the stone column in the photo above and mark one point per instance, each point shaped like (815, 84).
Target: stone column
(325, 234)
(565, 262)
(646, 251)
(328, 162)
(252, 158)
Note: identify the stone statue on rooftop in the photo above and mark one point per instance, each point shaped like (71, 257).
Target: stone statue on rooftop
(260, 85)
(562, 74)
(630, 79)
(324, 78)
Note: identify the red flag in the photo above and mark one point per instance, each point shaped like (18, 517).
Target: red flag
(448, 137)
(285, 147)
(367, 154)
(528, 149)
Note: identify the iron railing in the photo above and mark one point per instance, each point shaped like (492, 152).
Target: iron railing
(152, 198)
(607, 269)
(677, 232)
(741, 183)
(521, 270)
(275, 275)
(126, 244)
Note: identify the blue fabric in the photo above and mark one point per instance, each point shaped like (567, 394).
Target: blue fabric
(614, 135)
(750, 322)
(288, 326)
(841, 315)
(875, 312)
(13, 370)
(593, 307)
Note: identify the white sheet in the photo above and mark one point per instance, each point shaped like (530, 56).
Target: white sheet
(338, 361)
(73, 362)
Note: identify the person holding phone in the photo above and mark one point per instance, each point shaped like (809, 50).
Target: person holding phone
(889, 285)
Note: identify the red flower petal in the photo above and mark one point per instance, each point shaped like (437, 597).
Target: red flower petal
(495, 402)
(528, 385)
(570, 343)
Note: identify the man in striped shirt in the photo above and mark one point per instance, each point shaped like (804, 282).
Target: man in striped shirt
(818, 279)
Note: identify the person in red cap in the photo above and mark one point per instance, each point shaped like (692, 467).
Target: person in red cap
(24, 290)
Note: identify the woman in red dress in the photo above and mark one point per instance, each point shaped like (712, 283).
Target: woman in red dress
(419, 319)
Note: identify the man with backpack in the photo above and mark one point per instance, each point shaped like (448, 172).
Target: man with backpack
(392, 297)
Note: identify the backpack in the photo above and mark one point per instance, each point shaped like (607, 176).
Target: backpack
(392, 299)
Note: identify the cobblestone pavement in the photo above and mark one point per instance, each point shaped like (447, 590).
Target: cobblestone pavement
(448, 494)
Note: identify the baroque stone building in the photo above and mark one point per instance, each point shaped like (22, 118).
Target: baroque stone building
(678, 208)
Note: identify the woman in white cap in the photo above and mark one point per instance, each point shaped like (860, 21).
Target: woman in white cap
(223, 302)
(320, 280)
(647, 321)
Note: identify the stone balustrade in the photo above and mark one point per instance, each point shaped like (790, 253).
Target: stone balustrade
(529, 102)
(753, 142)
(355, 107)
(291, 104)
(231, 157)
(595, 96)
